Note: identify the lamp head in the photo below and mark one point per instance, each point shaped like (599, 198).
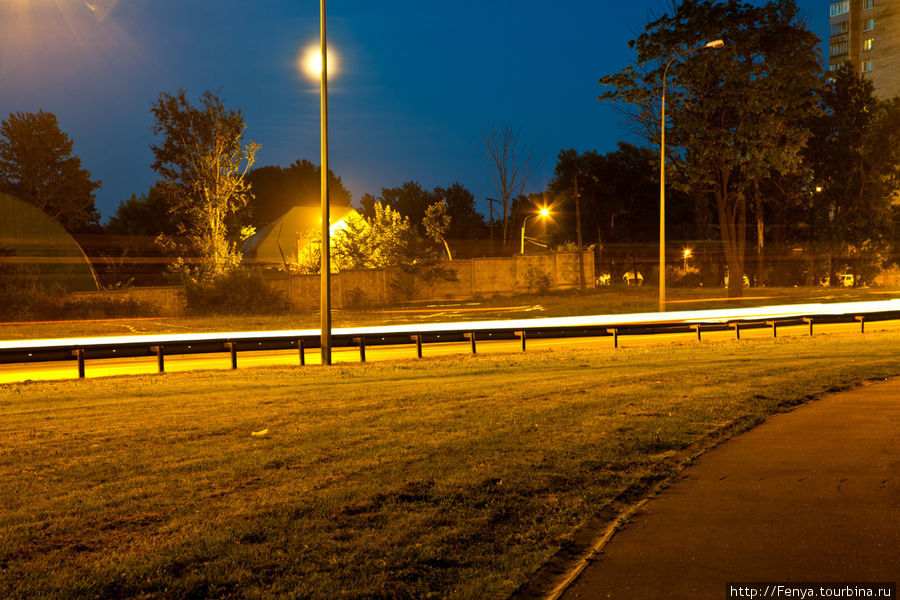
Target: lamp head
(544, 212)
(714, 44)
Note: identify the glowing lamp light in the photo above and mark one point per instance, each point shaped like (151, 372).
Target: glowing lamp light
(310, 62)
(544, 212)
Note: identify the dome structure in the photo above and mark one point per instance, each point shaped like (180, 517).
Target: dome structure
(32, 243)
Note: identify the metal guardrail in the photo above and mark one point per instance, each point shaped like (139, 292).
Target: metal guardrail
(160, 346)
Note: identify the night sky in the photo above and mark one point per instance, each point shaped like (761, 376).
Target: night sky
(418, 81)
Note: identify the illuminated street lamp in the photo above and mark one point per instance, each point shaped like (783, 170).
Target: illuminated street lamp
(543, 213)
(686, 254)
(316, 63)
(662, 173)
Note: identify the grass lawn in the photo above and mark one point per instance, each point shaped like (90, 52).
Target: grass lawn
(607, 300)
(441, 478)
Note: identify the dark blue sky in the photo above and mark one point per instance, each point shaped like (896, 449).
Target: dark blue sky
(419, 81)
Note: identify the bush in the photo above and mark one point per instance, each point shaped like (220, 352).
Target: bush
(357, 298)
(37, 304)
(679, 276)
(238, 292)
(538, 281)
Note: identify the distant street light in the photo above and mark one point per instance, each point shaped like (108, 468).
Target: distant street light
(686, 254)
(662, 173)
(543, 213)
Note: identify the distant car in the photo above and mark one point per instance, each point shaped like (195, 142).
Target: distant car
(602, 279)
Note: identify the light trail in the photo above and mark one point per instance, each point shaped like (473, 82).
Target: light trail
(179, 363)
(714, 316)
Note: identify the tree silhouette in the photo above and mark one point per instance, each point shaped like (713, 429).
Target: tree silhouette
(37, 166)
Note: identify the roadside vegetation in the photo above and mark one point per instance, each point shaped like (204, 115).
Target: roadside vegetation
(445, 478)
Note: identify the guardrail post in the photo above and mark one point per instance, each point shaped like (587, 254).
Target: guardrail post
(160, 358)
(862, 323)
(522, 335)
(418, 340)
(698, 332)
(810, 321)
(471, 337)
(362, 348)
(737, 330)
(301, 351)
(774, 325)
(233, 348)
(79, 354)
(615, 338)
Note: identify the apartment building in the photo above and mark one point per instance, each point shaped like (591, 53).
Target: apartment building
(867, 34)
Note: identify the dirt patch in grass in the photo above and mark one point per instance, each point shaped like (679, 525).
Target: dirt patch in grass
(445, 478)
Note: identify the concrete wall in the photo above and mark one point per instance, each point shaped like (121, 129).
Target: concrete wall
(520, 274)
(478, 277)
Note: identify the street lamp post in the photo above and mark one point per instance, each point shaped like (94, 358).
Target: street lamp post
(662, 172)
(325, 291)
(543, 213)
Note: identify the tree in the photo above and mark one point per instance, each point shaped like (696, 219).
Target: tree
(37, 166)
(275, 190)
(854, 162)
(411, 201)
(617, 193)
(384, 240)
(146, 214)
(510, 167)
(437, 224)
(465, 221)
(202, 162)
(737, 113)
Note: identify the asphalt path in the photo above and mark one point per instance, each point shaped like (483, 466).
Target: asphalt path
(812, 495)
(40, 371)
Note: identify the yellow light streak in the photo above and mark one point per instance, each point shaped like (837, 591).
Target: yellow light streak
(723, 315)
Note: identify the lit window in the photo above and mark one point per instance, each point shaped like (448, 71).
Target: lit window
(867, 66)
(839, 8)
(869, 25)
(867, 45)
(840, 28)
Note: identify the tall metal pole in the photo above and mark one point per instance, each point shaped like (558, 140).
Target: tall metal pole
(325, 295)
(578, 233)
(524, 222)
(662, 201)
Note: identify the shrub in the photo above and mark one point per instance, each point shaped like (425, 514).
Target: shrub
(538, 281)
(240, 291)
(38, 304)
(679, 276)
(356, 298)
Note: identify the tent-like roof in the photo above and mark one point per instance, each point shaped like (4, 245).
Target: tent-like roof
(282, 240)
(33, 243)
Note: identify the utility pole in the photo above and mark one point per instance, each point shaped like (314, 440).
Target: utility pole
(325, 291)
(578, 232)
(491, 222)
